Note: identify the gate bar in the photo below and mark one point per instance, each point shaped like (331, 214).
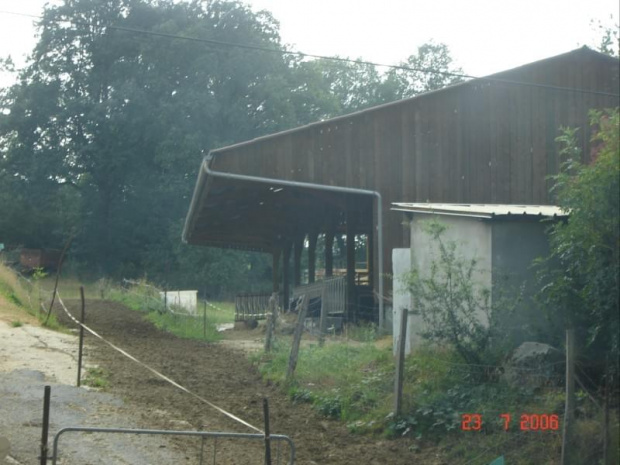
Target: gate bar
(204, 434)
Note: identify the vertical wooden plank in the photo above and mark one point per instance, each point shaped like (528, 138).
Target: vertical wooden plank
(312, 239)
(329, 251)
(502, 171)
(298, 246)
(539, 103)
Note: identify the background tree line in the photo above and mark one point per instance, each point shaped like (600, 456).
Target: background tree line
(103, 133)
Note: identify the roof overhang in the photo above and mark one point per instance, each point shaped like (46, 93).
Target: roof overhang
(487, 211)
(257, 214)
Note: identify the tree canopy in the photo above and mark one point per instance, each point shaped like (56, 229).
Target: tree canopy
(103, 133)
(581, 276)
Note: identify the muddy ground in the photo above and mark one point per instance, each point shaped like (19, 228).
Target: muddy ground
(225, 377)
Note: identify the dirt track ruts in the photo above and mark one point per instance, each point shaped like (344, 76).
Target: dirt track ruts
(225, 377)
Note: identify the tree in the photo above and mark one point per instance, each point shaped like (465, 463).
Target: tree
(124, 118)
(580, 277)
(609, 41)
(326, 88)
(434, 70)
(105, 130)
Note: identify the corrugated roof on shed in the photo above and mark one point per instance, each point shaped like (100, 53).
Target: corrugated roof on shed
(480, 210)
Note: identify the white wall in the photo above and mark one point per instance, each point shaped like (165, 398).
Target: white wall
(401, 264)
(474, 240)
(185, 299)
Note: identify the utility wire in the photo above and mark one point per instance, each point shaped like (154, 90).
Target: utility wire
(335, 58)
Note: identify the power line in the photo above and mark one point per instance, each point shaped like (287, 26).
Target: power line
(339, 59)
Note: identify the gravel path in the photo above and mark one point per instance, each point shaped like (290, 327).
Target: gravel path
(32, 357)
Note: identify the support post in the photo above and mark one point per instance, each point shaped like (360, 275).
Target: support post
(370, 258)
(292, 361)
(400, 363)
(267, 438)
(81, 344)
(329, 253)
(46, 424)
(286, 270)
(275, 267)
(298, 247)
(351, 304)
(312, 238)
(569, 409)
(323, 317)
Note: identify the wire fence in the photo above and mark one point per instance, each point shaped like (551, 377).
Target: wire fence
(476, 412)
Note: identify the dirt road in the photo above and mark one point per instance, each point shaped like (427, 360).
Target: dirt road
(225, 377)
(32, 357)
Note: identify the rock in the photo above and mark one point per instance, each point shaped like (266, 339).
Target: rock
(534, 364)
(251, 324)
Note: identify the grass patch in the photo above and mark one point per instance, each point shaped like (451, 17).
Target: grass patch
(185, 326)
(96, 377)
(16, 324)
(146, 298)
(354, 383)
(222, 314)
(340, 380)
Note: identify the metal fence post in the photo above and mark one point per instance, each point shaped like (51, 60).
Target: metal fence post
(267, 438)
(46, 424)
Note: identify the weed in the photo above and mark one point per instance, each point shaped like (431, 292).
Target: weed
(96, 377)
(16, 324)
(51, 322)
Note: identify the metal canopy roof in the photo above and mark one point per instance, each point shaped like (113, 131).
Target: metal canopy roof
(481, 210)
(261, 214)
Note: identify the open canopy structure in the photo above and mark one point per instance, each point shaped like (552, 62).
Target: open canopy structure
(486, 141)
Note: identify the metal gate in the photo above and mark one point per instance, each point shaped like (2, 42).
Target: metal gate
(201, 434)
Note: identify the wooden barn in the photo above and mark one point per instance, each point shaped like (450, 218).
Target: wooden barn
(486, 141)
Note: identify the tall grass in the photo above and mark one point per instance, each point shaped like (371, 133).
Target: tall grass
(24, 295)
(340, 380)
(146, 298)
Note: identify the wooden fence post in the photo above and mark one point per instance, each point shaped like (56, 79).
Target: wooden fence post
(569, 409)
(292, 362)
(271, 322)
(81, 345)
(323, 318)
(400, 363)
(606, 458)
(204, 320)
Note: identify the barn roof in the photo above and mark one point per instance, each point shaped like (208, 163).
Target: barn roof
(500, 77)
(481, 210)
(487, 140)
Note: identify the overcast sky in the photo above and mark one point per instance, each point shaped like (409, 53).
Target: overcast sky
(484, 36)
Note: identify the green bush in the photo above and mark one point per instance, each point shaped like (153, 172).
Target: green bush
(580, 279)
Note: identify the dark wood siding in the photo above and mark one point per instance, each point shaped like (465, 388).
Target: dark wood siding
(479, 142)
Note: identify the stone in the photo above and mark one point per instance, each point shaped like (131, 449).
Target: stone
(534, 364)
